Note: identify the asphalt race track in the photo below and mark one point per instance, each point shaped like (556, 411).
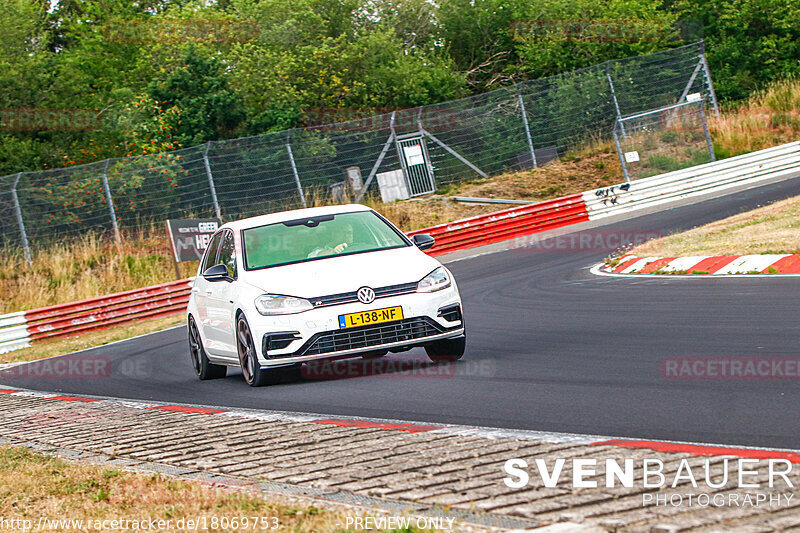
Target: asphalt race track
(551, 347)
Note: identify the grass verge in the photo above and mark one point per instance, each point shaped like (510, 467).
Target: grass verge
(38, 486)
(772, 229)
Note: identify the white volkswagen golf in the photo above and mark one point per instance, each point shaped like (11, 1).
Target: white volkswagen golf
(278, 290)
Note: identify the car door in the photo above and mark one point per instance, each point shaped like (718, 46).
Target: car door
(220, 297)
(201, 287)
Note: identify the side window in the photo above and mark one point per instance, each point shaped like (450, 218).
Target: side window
(227, 255)
(211, 254)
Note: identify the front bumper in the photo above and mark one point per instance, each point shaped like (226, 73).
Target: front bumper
(315, 334)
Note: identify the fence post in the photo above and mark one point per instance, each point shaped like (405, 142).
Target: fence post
(614, 95)
(294, 170)
(621, 156)
(211, 181)
(110, 200)
(707, 74)
(708, 135)
(378, 162)
(691, 82)
(527, 128)
(21, 223)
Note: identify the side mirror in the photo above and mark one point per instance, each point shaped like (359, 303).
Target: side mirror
(217, 273)
(423, 241)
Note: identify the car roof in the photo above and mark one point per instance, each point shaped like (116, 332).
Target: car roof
(282, 216)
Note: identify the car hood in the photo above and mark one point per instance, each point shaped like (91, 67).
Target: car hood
(334, 275)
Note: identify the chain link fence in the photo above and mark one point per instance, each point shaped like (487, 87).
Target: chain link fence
(663, 140)
(516, 127)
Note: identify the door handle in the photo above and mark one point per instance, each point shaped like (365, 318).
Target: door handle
(208, 292)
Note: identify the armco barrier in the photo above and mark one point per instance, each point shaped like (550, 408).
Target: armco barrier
(507, 224)
(17, 330)
(748, 168)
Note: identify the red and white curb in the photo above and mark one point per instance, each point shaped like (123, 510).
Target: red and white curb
(664, 446)
(703, 265)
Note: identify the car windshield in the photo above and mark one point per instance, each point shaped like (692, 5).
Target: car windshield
(306, 239)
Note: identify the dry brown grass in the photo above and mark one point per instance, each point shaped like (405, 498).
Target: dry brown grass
(88, 267)
(36, 486)
(574, 173)
(774, 228)
(59, 346)
(768, 118)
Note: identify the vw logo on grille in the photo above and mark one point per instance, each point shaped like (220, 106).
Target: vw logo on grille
(366, 295)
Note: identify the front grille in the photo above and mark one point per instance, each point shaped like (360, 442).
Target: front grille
(366, 336)
(349, 297)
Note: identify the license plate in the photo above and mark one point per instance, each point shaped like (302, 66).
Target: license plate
(366, 318)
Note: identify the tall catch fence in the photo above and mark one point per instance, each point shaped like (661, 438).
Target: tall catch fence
(400, 154)
(663, 140)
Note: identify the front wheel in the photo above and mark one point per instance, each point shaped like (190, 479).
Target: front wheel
(254, 375)
(447, 349)
(204, 368)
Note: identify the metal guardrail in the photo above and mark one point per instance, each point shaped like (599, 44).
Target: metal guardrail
(748, 168)
(507, 224)
(18, 330)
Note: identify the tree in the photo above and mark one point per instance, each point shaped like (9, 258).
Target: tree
(477, 36)
(748, 42)
(555, 37)
(209, 108)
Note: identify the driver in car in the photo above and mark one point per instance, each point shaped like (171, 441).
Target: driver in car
(342, 235)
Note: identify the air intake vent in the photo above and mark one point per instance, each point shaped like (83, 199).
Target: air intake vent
(367, 336)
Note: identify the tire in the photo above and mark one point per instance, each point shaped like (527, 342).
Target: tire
(447, 350)
(254, 375)
(204, 368)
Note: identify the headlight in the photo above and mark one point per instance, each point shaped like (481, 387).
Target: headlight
(270, 304)
(435, 281)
